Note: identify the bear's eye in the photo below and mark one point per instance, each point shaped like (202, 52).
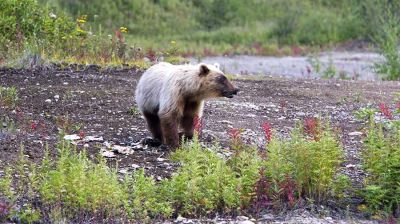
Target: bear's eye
(221, 78)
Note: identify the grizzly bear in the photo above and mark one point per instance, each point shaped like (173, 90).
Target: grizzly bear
(170, 96)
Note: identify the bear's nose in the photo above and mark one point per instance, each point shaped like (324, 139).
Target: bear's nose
(235, 91)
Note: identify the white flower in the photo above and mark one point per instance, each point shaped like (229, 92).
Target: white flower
(52, 15)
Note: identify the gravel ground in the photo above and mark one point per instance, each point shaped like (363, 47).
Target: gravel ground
(97, 102)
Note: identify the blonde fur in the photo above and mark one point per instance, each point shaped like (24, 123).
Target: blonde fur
(163, 86)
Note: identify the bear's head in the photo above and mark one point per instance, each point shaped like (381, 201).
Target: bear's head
(214, 82)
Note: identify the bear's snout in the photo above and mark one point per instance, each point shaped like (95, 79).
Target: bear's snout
(229, 94)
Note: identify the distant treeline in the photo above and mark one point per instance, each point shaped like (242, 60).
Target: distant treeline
(286, 21)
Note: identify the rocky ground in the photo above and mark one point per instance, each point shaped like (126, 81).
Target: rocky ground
(94, 106)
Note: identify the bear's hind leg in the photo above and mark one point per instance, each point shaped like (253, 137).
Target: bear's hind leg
(169, 128)
(153, 123)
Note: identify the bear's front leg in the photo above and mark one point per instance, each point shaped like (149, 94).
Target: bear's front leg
(169, 128)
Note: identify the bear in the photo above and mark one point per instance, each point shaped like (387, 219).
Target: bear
(171, 96)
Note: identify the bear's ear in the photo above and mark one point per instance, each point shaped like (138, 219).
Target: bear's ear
(204, 70)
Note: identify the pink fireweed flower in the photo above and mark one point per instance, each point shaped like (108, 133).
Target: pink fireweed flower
(82, 134)
(385, 111)
(33, 125)
(311, 127)
(197, 124)
(267, 131)
(234, 133)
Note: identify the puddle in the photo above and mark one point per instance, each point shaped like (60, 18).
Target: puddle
(353, 65)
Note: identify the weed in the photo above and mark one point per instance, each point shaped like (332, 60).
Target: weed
(330, 71)
(144, 198)
(203, 183)
(385, 111)
(388, 41)
(381, 159)
(236, 141)
(198, 124)
(267, 131)
(9, 97)
(312, 128)
(366, 114)
(134, 111)
(310, 164)
(315, 64)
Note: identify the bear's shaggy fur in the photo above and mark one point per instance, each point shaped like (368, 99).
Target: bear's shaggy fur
(170, 96)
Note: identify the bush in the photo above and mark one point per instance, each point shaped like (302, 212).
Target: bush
(26, 20)
(381, 159)
(145, 200)
(9, 97)
(387, 41)
(203, 183)
(80, 185)
(307, 164)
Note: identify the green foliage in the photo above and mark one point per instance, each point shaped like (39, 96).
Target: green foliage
(330, 71)
(134, 111)
(387, 41)
(381, 159)
(312, 164)
(81, 185)
(35, 32)
(206, 182)
(26, 20)
(145, 200)
(365, 114)
(9, 96)
(203, 183)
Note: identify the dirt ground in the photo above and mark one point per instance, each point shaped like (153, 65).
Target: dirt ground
(96, 102)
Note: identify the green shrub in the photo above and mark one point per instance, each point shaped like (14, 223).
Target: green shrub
(81, 185)
(26, 20)
(388, 41)
(311, 164)
(203, 183)
(145, 200)
(381, 159)
(206, 183)
(9, 97)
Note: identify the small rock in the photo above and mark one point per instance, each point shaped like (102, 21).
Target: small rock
(86, 145)
(123, 171)
(226, 122)
(160, 159)
(48, 101)
(267, 217)
(135, 166)
(107, 144)
(301, 114)
(355, 133)
(245, 222)
(350, 166)
(242, 218)
(72, 137)
(56, 97)
(106, 153)
(93, 139)
(180, 219)
(122, 149)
